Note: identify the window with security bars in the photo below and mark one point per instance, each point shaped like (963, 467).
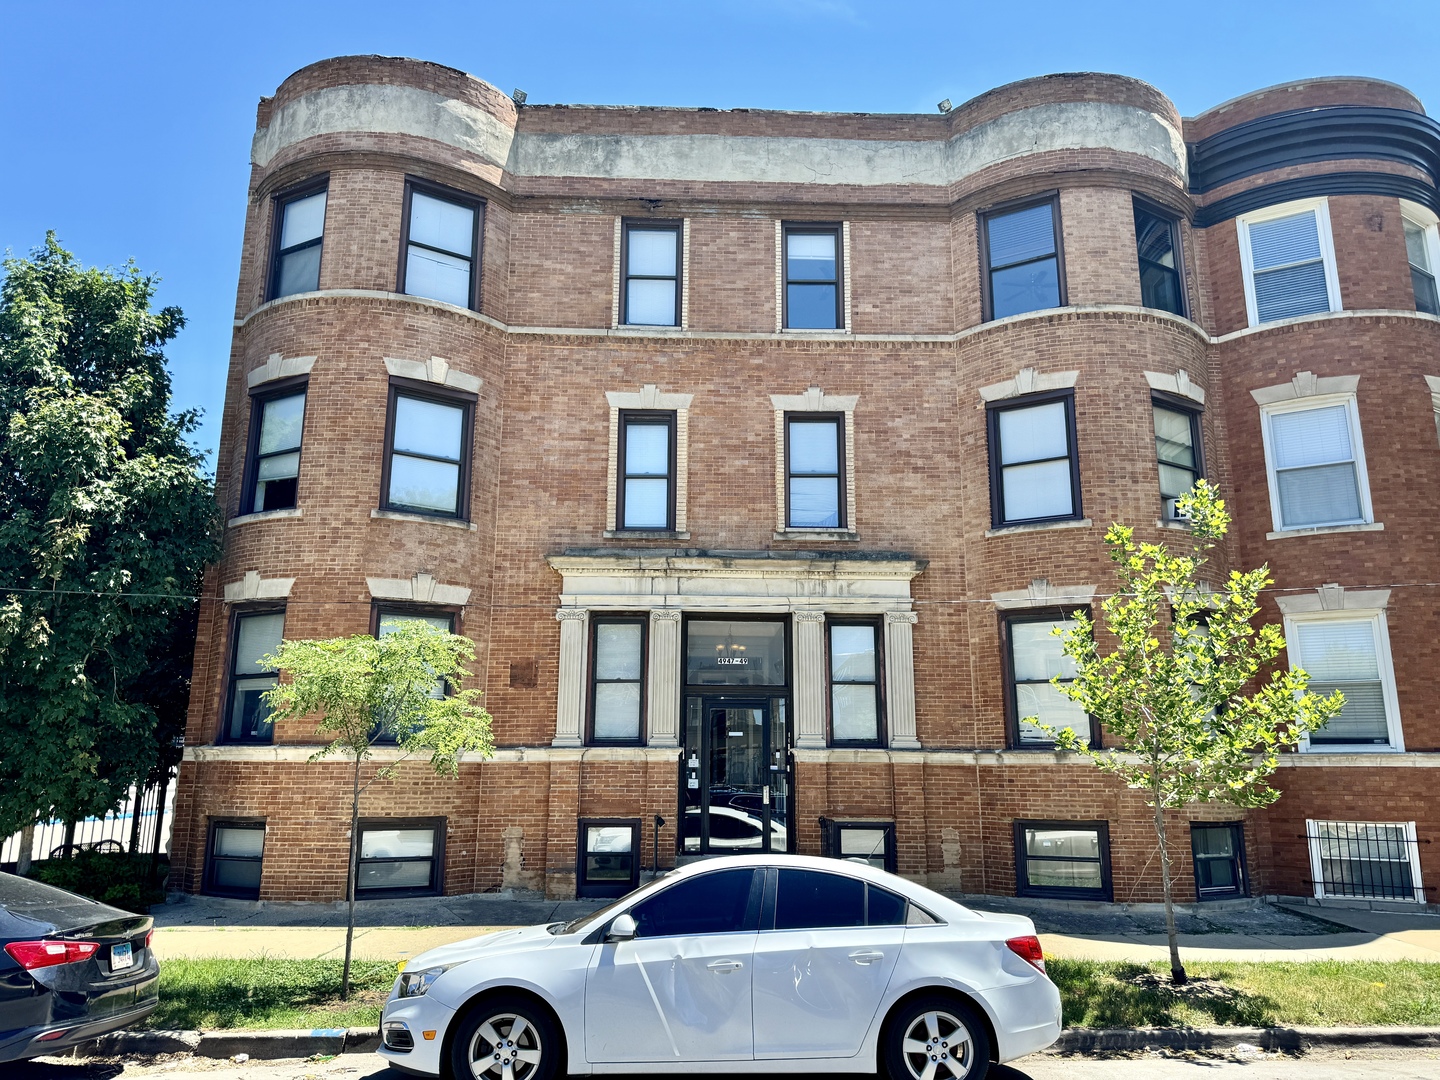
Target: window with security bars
(650, 269)
(1035, 655)
(1317, 469)
(1021, 253)
(1423, 250)
(1288, 262)
(400, 858)
(1157, 240)
(442, 232)
(617, 674)
(1034, 470)
(1349, 655)
(276, 423)
(1177, 447)
(1374, 860)
(299, 232)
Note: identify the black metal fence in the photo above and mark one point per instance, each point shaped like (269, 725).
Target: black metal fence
(140, 825)
(1365, 859)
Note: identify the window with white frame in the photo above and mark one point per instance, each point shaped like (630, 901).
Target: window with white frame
(1376, 860)
(1422, 248)
(1288, 261)
(1315, 461)
(1350, 652)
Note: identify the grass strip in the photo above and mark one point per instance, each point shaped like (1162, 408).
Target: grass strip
(263, 992)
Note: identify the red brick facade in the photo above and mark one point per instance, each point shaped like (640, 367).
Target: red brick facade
(542, 351)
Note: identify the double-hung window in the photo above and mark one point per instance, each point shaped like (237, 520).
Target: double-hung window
(1340, 651)
(1022, 258)
(650, 269)
(1288, 261)
(814, 476)
(1063, 859)
(387, 621)
(236, 855)
(1177, 447)
(1034, 469)
(854, 683)
(1316, 463)
(617, 679)
(272, 470)
(1157, 240)
(813, 277)
(256, 635)
(1034, 656)
(299, 231)
(1376, 860)
(1422, 248)
(645, 495)
(442, 236)
(427, 452)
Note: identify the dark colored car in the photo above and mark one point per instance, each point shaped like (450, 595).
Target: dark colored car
(71, 969)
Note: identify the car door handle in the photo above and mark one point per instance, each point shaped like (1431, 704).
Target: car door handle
(723, 966)
(866, 956)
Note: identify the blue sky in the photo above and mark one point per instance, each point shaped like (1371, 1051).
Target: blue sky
(126, 127)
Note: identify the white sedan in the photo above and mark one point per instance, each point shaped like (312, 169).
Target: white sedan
(774, 963)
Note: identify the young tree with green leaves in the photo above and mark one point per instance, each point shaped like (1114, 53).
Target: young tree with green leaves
(106, 522)
(1173, 690)
(402, 687)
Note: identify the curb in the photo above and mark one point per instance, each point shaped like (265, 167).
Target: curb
(1103, 1040)
(282, 1043)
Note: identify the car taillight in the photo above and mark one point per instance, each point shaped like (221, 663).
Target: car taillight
(1028, 949)
(148, 935)
(42, 954)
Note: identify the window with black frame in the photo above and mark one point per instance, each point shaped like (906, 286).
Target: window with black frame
(427, 457)
(871, 842)
(609, 863)
(1422, 248)
(813, 292)
(650, 269)
(1063, 859)
(442, 234)
(1034, 469)
(235, 857)
(256, 635)
(1034, 655)
(1177, 448)
(854, 683)
(400, 858)
(1023, 269)
(1157, 240)
(299, 232)
(814, 477)
(617, 677)
(277, 420)
(646, 495)
(387, 621)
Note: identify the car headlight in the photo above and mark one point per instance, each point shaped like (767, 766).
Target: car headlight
(415, 983)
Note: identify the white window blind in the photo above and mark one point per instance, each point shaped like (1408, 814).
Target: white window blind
(1313, 456)
(1288, 267)
(1342, 655)
(1035, 463)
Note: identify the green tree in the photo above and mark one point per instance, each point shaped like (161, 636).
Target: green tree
(1173, 690)
(402, 686)
(106, 523)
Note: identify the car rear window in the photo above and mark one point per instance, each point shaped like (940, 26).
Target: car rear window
(884, 908)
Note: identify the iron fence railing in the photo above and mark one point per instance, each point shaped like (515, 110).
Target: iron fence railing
(1365, 859)
(140, 825)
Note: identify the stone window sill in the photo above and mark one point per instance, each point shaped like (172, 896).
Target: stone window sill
(805, 330)
(397, 515)
(263, 515)
(644, 534)
(816, 534)
(1040, 526)
(1325, 530)
(1177, 526)
(1358, 748)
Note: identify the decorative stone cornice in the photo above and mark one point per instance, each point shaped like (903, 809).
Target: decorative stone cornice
(420, 589)
(1333, 597)
(1028, 381)
(277, 367)
(1041, 594)
(649, 397)
(436, 370)
(1178, 384)
(814, 400)
(668, 613)
(809, 616)
(569, 614)
(254, 587)
(1306, 384)
(901, 617)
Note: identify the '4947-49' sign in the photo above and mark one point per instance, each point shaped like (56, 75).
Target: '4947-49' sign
(732, 661)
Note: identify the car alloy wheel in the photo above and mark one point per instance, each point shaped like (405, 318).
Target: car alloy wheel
(936, 1038)
(506, 1040)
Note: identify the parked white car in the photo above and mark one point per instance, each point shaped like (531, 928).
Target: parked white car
(765, 963)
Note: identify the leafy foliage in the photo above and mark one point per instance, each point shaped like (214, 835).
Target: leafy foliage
(118, 879)
(106, 523)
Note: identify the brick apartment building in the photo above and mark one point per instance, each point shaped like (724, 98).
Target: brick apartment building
(758, 453)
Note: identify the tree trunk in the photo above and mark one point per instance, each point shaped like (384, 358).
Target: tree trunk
(27, 847)
(68, 845)
(1177, 970)
(350, 880)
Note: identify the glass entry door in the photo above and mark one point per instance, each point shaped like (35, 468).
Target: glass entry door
(735, 786)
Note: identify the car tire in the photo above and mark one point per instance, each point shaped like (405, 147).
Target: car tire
(920, 1041)
(506, 1038)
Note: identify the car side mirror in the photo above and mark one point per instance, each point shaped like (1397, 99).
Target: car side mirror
(622, 929)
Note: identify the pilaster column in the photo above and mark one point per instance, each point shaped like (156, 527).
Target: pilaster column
(809, 680)
(900, 679)
(662, 707)
(570, 697)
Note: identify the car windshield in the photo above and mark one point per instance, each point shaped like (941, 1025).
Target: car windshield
(592, 919)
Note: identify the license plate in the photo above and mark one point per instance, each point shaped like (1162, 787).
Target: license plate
(121, 957)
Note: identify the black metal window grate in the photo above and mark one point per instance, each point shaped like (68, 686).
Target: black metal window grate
(1365, 859)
